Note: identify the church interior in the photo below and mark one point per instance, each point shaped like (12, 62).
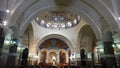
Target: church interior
(59, 33)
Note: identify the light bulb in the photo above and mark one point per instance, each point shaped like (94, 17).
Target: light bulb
(4, 23)
(118, 18)
(8, 11)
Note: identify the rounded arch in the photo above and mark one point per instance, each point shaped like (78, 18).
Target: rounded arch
(52, 56)
(90, 22)
(36, 3)
(43, 55)
(82, 13)
(67, 41)
(32, 14)
(87, 37)
(28, 36)
(76, 10)
(106, 13)
(62, 56)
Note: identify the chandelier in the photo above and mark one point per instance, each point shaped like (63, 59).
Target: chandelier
(57, 19)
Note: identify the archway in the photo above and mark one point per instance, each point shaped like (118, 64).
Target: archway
(43, 56)
(57, 36)
(56, 52)
(27, 38)
(52, 56)
(62, 56)
(87, 42)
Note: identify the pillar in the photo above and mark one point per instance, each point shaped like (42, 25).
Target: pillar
(83, 58)
(24, 56)
(109, 51)
(100, 45)
(38, 57)
(116, 38)
(1, 40)
(67, 57)
(58, 57)
(47, 57)
(2, 15)
(11, 56)
(109, 55)
(1, 44)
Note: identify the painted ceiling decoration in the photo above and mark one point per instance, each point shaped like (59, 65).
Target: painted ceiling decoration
(58, 19)
(53, 43)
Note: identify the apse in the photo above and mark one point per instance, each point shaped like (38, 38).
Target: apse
(54, 51)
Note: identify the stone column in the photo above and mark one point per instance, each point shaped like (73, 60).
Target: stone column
(109, 55)
(25, 56)
(58, 57)
(1, 43)
(100, 45)
(1, 40)
(11, 56)
(116, 38)
(67, 57)
(2, 35)
(38, 57)
(47, 57)
(109, 51)
(83, 58)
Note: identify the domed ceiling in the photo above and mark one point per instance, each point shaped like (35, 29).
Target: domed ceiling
(58, 19)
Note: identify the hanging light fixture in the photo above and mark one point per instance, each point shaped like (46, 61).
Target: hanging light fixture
(58, 19)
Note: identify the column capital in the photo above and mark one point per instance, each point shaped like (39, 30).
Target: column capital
(116, 38)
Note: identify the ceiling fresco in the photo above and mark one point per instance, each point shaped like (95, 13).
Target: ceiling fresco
(53, 43)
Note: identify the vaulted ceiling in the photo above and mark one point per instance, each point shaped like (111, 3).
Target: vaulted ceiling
(99, 15)
(95, 10)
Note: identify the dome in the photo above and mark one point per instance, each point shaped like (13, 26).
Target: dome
(57, 19)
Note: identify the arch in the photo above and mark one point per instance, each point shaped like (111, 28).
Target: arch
(43, 55)
(33, 15)
(52, 58)
(86, 35)
(106, 13)
(62, 56)
(58, 37)
(29, 17)
(90, 22)
(28, 34)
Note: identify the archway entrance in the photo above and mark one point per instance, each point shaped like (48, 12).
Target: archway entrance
(53, 51)
(87, 40)
(52, 57)
(62, 56)
(43, 55)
